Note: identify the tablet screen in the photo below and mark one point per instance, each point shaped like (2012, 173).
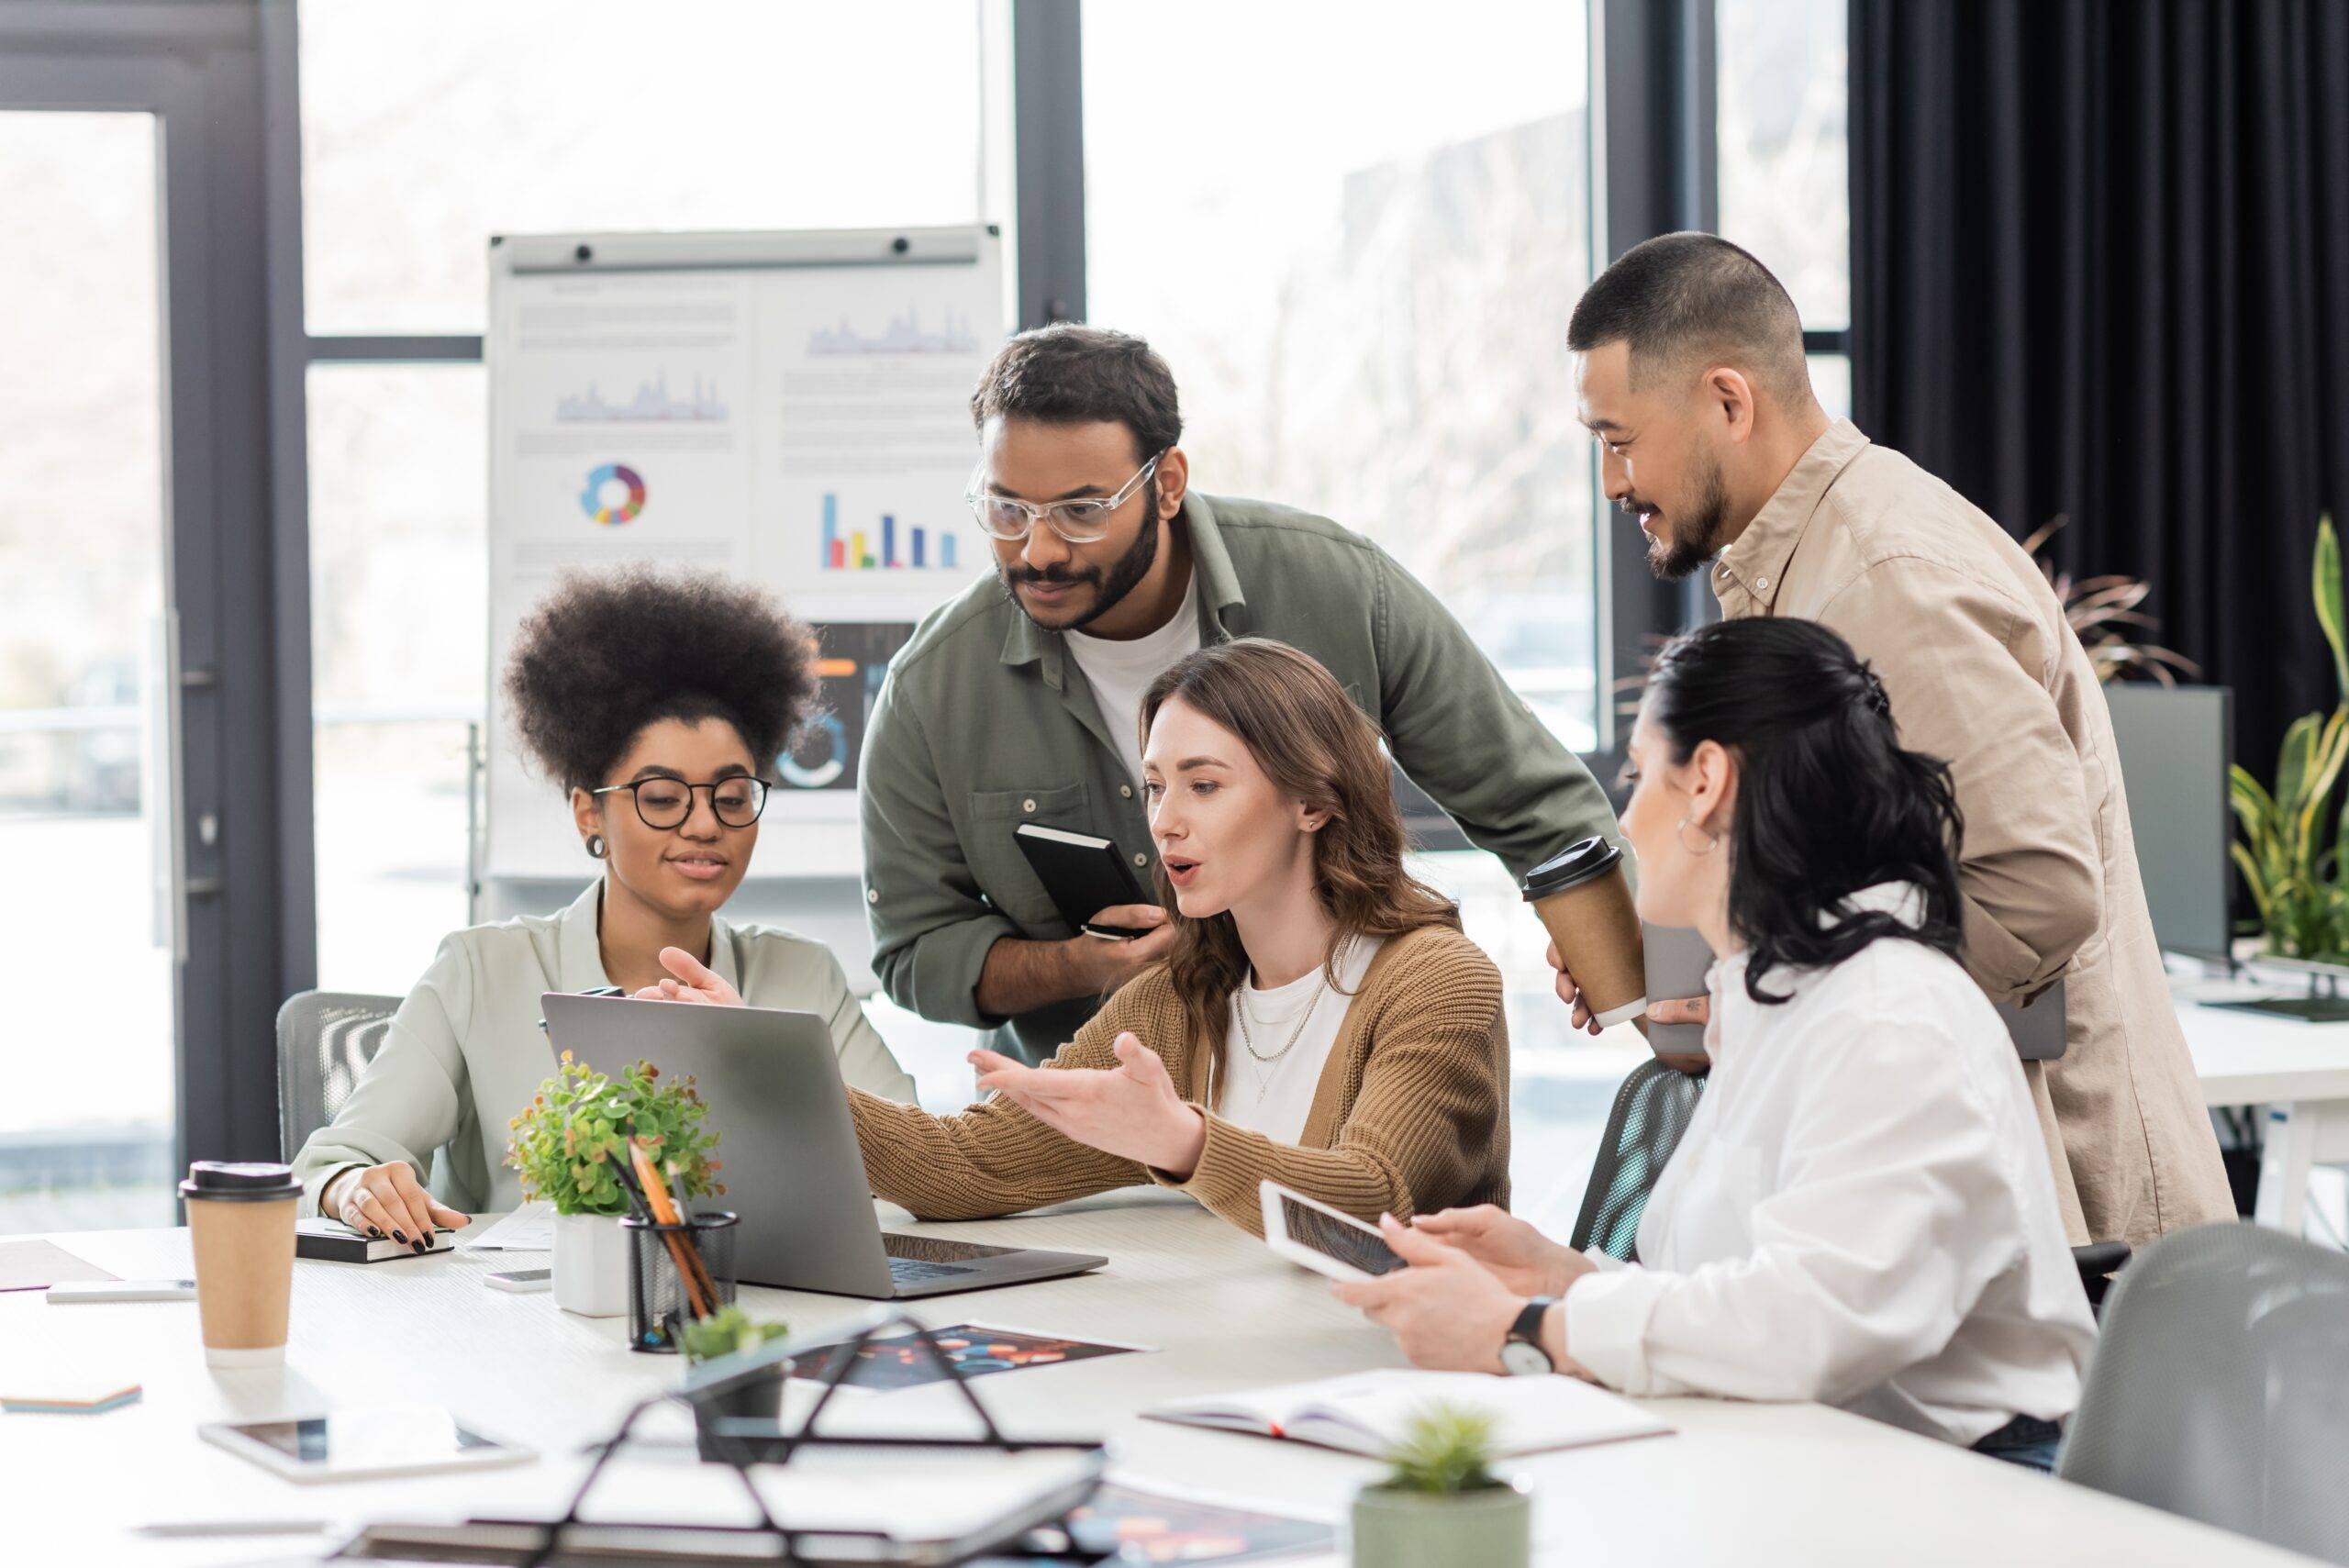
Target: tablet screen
(367, 1439)
(1350, 1243)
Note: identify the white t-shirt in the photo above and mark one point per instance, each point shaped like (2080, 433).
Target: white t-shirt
(1119, 673)
(1272, 1097)
(1860, 1212)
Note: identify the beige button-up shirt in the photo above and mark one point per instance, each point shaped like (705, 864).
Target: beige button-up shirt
(1984, 673)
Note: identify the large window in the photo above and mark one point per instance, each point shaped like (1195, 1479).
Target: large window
(1784, 164)
(431, 124)
(1360, 268)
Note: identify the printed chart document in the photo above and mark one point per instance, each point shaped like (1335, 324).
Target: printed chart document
(1368, 1413)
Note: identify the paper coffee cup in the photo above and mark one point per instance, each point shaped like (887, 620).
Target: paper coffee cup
(1584, 902)
(240, 1219)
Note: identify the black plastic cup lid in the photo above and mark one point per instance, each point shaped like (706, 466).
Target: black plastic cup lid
(253, 1182)
(1576, 865)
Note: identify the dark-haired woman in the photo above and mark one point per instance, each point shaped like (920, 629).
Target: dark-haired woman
(1861, 1211)
(657, 702)
(1320, 1021)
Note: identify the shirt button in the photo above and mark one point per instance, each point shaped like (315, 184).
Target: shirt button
(1142, 860)
(1026, 806)
(1763, 583)
(1125, 792)
(873, 895)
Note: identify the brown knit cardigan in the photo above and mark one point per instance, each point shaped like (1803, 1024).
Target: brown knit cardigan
(1411, 1113)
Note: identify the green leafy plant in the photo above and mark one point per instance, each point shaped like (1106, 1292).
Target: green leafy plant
(726, 1332)
(1445, 1449)
(569, 1140)
(2290, 862)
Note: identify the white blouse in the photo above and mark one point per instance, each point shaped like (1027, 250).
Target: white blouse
(1860, 1212)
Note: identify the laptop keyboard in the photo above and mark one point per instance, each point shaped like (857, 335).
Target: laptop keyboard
(909, 1271)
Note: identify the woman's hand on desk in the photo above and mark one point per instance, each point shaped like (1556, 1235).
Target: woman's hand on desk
(694, 982)
(387, 1201)
(1131, 1111)
(1513, 1252)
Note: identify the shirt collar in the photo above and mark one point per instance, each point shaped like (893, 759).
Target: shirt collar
(1755, 565)
(579, 951)
(1212, 579)
(1725, 981)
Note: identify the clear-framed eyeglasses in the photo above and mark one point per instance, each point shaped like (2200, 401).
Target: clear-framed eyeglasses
(665, 803)
(1079, 522)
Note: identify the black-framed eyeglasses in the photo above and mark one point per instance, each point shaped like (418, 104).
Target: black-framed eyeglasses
(666, 803)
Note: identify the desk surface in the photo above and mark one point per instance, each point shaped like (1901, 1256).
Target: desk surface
(2248, 1058)
(1738, 1483)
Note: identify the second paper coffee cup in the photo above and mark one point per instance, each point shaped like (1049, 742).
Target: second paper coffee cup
(1584, 902)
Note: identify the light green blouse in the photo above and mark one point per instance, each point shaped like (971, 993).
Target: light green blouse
(465, 1051)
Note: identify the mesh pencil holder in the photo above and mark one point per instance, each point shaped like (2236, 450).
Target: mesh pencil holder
(660, 1302)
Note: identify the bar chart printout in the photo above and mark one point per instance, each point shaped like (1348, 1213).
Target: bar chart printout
(859, 549)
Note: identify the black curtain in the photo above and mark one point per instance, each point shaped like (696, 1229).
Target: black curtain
(2101, 270)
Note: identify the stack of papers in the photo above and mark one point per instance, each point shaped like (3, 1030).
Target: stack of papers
(529, 1228)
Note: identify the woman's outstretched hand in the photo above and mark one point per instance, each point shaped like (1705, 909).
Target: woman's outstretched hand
(694, 982)
(1131, 1111)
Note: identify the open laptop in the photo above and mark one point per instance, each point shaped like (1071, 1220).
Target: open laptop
(793, 1171)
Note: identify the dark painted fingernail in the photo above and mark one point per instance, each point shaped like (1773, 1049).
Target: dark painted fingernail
(375, 1232)
(397, 1234)
(419, 1246)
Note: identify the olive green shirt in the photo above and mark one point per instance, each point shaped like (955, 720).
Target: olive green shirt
(985, 722)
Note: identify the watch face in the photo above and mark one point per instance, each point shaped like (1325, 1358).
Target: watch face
(1521, 1359)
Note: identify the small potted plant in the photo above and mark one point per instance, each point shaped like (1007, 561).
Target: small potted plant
(569, 1144)
(1441, 1506)
(723, 1334)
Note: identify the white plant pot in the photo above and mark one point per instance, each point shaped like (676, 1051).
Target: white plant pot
(591, 1265)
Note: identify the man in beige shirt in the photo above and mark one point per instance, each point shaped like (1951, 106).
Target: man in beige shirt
(1693, 379)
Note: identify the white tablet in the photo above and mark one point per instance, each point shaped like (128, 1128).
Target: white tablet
(1322, 1239)
(351, 1445)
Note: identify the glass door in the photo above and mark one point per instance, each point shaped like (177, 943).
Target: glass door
(87, 1023)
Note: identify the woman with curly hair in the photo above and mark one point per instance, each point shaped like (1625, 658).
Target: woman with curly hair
(1322, 1020)
(658, 702)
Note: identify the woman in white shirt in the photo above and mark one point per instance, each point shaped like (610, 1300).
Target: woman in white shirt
(657, 701)
(1861, 1211)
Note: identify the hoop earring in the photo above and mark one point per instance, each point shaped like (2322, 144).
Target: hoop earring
(1712, 841)
(596, 848)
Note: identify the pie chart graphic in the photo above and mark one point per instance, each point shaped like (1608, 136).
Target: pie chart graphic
(615, 494)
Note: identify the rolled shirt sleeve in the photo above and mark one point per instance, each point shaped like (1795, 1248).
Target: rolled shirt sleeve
(932, 926)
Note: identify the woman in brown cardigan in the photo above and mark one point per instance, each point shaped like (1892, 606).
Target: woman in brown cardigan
(1322, 1020)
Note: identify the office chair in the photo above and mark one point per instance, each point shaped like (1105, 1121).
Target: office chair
(325, 1039)
(1651, 1111)
(2220, 1389)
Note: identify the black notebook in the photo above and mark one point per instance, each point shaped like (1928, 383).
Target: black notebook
(1084, 874)
(332, 1241)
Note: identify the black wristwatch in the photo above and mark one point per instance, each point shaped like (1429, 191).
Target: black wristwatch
(1522, 1353)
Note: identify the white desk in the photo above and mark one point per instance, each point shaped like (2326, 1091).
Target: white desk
(1739, 1483)
(2299, 1070)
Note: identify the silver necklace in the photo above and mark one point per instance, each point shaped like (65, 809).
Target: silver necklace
(1248, 1039)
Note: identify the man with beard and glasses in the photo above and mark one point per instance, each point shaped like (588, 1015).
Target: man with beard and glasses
(1692, 377)
(1018, 702)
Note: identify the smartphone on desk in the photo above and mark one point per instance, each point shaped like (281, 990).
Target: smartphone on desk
(1084, 874)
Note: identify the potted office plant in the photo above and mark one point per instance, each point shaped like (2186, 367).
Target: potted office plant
(724, 1333)
(569, 1144)
(1441, 1506)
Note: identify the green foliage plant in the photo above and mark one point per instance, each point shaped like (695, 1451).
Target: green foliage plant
(727, 1332)
(569, 1140)
(1445, 1451)
(2291, 858)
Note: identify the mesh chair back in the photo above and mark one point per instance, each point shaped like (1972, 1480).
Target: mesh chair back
(2221, 1387)
(1651, 1111)
(325, 1039)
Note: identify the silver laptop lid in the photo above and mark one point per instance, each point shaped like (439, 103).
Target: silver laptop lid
(773, 1085)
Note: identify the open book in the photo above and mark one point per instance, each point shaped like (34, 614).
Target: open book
(1367, 1413)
